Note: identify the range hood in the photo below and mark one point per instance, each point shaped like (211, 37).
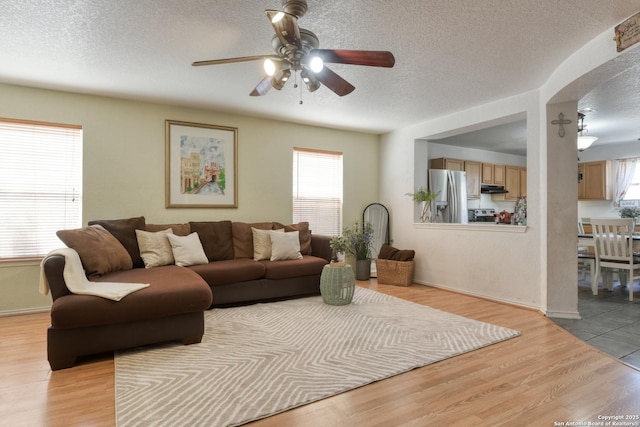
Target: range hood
(492, 189)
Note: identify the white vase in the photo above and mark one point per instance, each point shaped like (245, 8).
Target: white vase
(425, 212)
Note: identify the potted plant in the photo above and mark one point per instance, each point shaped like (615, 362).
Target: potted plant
(425, 197)
(629, 212)
(338, 246)
(356, 241)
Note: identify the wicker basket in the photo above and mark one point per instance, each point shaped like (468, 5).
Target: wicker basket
(394, 272)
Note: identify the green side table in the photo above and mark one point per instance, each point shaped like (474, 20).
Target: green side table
(337, 284)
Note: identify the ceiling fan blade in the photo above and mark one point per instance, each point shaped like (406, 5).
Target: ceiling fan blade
(372, 58)
(263, 87)
(232, 60)
(286, 27)
(334, 82)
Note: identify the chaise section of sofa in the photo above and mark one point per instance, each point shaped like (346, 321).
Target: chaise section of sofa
(170, 309)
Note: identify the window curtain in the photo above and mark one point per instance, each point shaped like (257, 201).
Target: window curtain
(623, 171)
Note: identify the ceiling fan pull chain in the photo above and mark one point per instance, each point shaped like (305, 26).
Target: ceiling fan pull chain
(300, 94)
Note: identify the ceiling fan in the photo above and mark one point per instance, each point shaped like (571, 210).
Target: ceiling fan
(297, 51)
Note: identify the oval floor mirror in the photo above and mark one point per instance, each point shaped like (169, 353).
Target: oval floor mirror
(378, 215)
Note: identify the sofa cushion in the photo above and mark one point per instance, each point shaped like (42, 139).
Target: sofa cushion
(285, 246)
(243, 237)
(187, 250)
(230, 271)
(262, 243)
(304, 234)
(125, 231)
(178, 229)
(308, 265)
(155, 248)
(216, 239)
(99, 251)
(173, 290)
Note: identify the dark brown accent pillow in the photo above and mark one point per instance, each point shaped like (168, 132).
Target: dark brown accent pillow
(125, 231)
(304, 234)
(404, 255)
(243, 237)
(216, 238)
(99, 251)
(178, 229)
(387, 252)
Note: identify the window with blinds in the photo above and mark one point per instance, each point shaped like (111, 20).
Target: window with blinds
(317, 190)
(40, 186)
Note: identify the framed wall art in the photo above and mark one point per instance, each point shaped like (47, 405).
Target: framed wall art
(201, 165)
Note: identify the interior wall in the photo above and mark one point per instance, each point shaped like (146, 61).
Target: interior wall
(495, 264)
(124, 166)
(514, 268)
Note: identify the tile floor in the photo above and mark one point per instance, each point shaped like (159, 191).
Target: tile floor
(609, 321)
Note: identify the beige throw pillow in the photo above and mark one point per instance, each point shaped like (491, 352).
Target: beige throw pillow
(187, 250)
(285, 246)
(155, 248)
(262, 243)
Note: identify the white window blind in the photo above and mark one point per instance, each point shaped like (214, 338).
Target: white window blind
(317, 190)
(40, 186)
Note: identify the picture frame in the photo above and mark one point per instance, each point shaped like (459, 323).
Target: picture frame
(201, 165)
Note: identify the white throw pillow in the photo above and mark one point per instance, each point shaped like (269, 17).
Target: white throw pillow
(262, 243)
(155, 248)
(285, 246)
(187, 250)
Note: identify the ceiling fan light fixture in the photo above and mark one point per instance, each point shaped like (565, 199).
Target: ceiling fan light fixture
(316, 64)
(277, 17)
(310, 81)
(269, 67)
(280, 79)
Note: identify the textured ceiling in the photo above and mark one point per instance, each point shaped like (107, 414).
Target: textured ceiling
(450, 55)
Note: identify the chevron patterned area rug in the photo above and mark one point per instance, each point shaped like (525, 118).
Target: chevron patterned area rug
(263, 359)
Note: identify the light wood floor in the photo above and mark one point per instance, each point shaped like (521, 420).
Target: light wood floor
(542, 377)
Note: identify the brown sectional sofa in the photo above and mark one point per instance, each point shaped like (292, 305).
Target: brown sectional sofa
(172, 307)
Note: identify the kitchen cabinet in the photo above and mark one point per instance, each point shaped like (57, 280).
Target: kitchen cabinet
(493, 174)
(515, 182)
(523, 181)
(499, 174)
(473, 170)
(596, 180)
(487, 173)
(446, 163)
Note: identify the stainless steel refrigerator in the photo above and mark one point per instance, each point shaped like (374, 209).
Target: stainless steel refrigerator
(451, 203)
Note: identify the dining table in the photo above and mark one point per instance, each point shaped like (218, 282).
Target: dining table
(585, 239)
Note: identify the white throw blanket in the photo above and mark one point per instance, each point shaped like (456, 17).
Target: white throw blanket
(77, 282)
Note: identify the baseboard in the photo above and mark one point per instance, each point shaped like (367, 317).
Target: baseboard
(563, 314)
(24, 311)
(480, 295)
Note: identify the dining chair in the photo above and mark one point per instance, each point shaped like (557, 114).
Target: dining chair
(587, 257)
(614, 247)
